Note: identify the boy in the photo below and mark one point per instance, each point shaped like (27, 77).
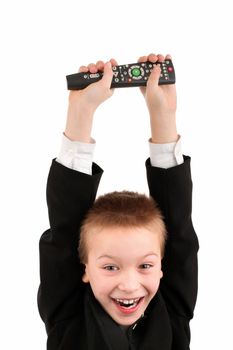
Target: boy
(123, 290)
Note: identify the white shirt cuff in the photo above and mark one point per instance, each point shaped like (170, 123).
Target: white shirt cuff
(166, 155)
(77, 155)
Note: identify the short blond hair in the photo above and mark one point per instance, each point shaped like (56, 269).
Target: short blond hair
(124, 209)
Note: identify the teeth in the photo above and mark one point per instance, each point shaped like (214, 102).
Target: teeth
(127, 301)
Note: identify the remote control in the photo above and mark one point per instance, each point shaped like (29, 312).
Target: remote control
(127, 75)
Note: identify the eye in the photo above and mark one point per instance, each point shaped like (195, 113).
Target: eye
(146, 266)
(110, 268)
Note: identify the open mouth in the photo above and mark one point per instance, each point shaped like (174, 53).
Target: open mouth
(128, 305)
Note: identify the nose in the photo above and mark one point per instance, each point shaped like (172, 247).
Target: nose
(129, 281)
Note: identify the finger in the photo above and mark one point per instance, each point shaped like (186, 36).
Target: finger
(113, 62)
(92, 68)
(83, 69)
(108, 74)
(142, 59)
(168, 57)
(154, 76)
(160, 58)
(100, 65)
(153, 57)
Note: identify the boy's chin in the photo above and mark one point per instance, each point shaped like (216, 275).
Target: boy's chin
(123, 322)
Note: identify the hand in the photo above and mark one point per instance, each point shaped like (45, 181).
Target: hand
(96, 93)
(83, 103)
(161, 103)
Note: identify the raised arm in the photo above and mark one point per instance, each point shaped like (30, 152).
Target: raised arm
(161, 104)
(171, 187)
(70, 193)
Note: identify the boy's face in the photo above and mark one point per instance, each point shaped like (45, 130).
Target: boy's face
(124, 271)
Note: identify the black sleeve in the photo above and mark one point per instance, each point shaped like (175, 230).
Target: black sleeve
(172, 190)
(69, 196)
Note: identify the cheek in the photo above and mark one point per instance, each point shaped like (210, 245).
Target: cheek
(153, 282)
(100, 285)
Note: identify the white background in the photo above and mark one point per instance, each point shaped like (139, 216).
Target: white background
(43, 41)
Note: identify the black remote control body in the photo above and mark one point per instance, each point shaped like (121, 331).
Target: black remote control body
(127, 75)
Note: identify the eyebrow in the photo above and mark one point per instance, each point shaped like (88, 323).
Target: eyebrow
(115, 257)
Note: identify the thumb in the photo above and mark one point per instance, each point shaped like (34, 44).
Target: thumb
(154, 76)
(108, 74)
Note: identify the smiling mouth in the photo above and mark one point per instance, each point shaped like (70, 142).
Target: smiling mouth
(128, 305)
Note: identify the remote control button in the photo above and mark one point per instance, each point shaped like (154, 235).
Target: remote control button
(136, 72)
(170, 69)
(94, 75)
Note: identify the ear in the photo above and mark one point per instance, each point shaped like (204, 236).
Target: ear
(161, 274)
(85, 277)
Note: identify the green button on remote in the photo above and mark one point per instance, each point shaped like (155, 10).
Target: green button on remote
(136, 72)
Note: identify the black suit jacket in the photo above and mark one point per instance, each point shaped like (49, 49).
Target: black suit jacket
(73, 318)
